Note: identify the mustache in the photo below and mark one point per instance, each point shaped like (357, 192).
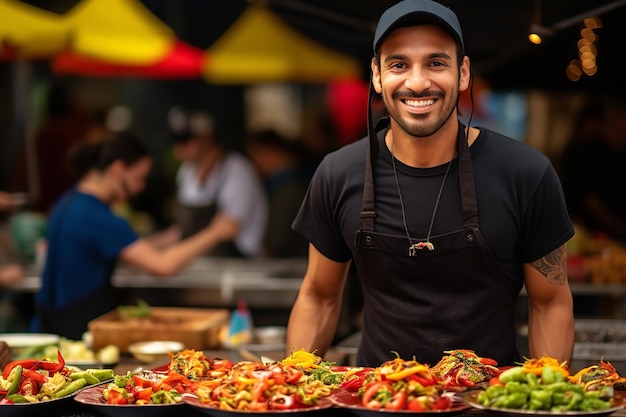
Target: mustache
(414, 95)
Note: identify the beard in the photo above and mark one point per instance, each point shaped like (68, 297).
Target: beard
(421, 125)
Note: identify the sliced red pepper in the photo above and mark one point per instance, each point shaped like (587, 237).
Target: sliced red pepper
(495, 381)
(222, 364)
(176, 379)
(34, 375)
(396, 402)
(441, 403)
(141, 382)
(6, 401)
(424, 381)
(25, 363)
(53, 367)
(28, 387)
(488, 361)
(415, 405)
(116, 397)
(144, 394)
(372, 390)
(292, 376)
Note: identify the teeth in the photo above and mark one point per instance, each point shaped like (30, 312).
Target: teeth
(419, 103)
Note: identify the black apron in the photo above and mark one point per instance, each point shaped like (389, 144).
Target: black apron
(193, 219)
(453, 297)
(72, 321)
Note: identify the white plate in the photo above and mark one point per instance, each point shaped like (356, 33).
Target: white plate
(22, 340)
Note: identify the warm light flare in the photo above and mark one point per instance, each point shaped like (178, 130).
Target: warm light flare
(534, 38)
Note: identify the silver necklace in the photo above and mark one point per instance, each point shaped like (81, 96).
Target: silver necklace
(414, 247)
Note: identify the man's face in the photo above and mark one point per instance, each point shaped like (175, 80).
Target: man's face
(419, 78)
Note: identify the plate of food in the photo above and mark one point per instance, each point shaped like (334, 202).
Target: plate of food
(33, 387)
(472, 398)
(94, 397)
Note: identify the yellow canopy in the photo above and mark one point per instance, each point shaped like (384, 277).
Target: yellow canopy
(29, 32)
(119, 31)
(260, 47)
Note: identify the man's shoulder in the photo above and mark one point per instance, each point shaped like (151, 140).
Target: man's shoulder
(348, 156)
(502, 149)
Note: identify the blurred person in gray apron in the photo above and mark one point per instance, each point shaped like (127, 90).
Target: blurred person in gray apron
(216, 187)
(445, 223)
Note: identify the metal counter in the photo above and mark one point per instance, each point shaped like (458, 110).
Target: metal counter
(219, 282)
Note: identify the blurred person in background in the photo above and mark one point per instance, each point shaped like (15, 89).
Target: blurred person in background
(216, 188)
(85, 237)
(65, 124)
(286, 178)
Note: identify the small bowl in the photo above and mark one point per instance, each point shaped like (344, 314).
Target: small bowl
(270, 335)
(155, 350)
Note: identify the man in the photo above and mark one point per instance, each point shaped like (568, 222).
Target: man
(447, 224)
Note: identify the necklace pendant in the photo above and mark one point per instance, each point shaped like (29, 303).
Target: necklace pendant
(425, 245)
(419, 246)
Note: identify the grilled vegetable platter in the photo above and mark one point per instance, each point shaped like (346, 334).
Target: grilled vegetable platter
(304, 382)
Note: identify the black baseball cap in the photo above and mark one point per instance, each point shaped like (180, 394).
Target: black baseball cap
(416, 12)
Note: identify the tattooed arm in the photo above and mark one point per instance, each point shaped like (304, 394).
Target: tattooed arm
(550, 306)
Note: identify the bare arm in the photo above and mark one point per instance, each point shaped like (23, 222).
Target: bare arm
(551, 316)
(168, 261)
(315, 314)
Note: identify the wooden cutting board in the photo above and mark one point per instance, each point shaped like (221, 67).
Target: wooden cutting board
(196, 328)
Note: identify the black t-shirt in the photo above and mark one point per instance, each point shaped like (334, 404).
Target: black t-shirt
(521, 209)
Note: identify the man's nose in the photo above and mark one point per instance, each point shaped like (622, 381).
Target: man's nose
(417, 80)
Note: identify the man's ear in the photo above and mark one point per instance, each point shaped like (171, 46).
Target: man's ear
(465, 74)
(376, 77)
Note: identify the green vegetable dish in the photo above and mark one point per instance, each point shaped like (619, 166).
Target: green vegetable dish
(548, 393)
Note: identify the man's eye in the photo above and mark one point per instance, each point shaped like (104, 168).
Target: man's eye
(397, 65)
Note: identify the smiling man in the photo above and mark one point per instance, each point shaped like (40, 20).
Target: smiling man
(444, 222)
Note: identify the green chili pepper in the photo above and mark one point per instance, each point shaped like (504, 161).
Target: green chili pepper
(592, 404)
(14, 377)
(512, 374)
(514, 400)
(547, 376)
(557, 387)
(102, 374)
(532, 380)
(88, 376)
(514, 386)
(540, 399)
(69, 388)
(575, 399)
(17, 398)
(495, 391)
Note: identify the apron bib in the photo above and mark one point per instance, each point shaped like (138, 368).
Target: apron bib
(193, 219)
(453, 297)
